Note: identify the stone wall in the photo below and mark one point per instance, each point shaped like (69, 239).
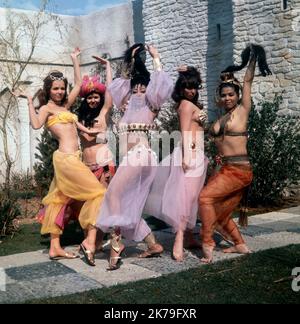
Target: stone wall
(211, 35)
(278, 29)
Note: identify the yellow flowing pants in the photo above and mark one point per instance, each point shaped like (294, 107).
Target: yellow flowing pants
(72, 180)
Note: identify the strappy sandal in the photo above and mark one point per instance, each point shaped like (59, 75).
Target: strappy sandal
(67, 256)
(89, 256)
(112, 266)
(154, 251)
(119, 248)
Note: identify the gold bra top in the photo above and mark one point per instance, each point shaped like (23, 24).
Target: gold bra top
(64, 117)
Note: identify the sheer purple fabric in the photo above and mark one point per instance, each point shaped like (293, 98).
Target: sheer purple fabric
(174, 194)
(127, 193)
(140, 108)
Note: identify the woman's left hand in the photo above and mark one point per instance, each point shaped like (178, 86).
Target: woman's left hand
(75, 53)
(100, 59)
(152, 50)
(201, 117)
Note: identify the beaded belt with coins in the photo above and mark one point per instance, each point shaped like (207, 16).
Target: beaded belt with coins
(136, 128)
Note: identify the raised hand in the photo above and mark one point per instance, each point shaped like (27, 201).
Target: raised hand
(134, 51)
(152, 51)
(76, 53)
(100, 59)
(20, 94)
(124, 106)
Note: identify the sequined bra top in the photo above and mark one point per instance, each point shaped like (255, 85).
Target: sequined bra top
(64, 117)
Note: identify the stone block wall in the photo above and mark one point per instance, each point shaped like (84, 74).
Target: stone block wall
(211, 35)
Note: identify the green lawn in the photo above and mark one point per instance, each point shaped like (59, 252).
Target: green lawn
(28, 239)
(250, 279)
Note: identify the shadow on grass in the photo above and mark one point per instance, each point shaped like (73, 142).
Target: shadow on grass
(247, 280)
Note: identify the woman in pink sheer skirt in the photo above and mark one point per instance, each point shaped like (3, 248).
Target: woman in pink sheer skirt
(121, 212)
(181, 176)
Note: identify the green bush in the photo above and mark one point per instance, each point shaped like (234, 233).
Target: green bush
(274, 148)
(9, 211)
(44, 171)
(22, 186)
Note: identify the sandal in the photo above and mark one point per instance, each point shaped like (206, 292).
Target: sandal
(117, 247)
(154, 251)
(67, 256)
(89, 256)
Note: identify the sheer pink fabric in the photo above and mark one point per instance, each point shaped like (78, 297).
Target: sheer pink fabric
(127, 193)
(174, 194)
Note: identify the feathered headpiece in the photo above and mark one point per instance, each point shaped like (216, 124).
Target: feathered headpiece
(91, 84)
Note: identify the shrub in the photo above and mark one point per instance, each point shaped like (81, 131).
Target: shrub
(23, 185)
(44, 171)
(274, 148)
(9, 211)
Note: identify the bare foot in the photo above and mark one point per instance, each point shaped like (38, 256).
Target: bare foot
(208, 253)
(240, 248)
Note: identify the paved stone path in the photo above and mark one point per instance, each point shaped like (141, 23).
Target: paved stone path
(32, 275)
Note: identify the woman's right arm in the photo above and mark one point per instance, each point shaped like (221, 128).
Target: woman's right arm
(37, 120)
(108, 102)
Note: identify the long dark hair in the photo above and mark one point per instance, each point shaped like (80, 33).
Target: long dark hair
(44, 95)
(260, 54)
(86, 114)
(190, 79)
(134, 67)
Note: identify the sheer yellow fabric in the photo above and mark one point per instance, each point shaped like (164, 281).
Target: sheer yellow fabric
(74, 180)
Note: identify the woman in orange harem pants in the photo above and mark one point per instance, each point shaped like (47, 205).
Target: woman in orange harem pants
(225, 189)
(218, 200)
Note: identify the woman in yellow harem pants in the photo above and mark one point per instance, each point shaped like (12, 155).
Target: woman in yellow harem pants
(72, 179)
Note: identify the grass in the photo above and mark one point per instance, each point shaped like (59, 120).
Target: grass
(250, 280)
(28, 238)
